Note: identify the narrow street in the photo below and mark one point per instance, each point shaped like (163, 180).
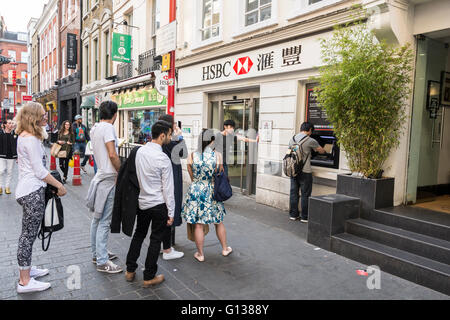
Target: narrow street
(271, 260)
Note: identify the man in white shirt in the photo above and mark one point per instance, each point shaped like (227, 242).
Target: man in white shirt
(156, 203)
(101, 192)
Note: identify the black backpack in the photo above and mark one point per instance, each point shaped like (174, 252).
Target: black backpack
(294, 160)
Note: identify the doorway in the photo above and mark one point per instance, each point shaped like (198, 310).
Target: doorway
(428, 184)
(243, 108)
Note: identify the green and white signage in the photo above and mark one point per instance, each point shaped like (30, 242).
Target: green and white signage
(139, 99)
(121, 47)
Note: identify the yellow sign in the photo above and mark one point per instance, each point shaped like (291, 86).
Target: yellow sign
(165, 62)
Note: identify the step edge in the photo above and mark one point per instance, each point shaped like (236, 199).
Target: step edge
(395, 257)
(411, 218)
(353, 221)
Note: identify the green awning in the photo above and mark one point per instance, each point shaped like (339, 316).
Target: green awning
(88, 102)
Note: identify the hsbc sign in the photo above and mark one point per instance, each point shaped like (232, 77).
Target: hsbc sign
(219, 70)
(300, 54)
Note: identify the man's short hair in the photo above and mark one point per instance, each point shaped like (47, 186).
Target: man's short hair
(306, 126)
(160, 127)
(229, 122)
(107, 110)
(168, 118)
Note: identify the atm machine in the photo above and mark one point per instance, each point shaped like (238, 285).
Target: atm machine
(323, 132)
(328, 141)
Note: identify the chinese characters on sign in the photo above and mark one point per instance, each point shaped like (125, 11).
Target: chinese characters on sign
(265, 61)
(121, 47)
(71, 51)
(291, 56)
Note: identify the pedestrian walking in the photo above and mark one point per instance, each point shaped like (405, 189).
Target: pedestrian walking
(30, 191)
(199, 207)
(303, 180)
(8, 155)
(66, 140)
(100, 198)
(81, 138)
(175, 150)
(156, 203)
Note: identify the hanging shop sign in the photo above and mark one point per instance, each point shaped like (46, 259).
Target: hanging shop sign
(166, 39)
(139, 99)
(162, 82)
(300, 54)
(121, 47)
(71, 51)
(165, 62)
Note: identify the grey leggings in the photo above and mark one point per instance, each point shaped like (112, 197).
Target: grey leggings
(33, 206)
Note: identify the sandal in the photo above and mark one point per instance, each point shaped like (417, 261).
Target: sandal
(227, 252)
(199, 257)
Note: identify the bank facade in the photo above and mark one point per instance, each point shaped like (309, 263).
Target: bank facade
(257, 67)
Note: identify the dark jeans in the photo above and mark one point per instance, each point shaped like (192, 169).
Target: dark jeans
(304, 182)
(81, 148)
(167, 240)
(64, 165)
(158, 217)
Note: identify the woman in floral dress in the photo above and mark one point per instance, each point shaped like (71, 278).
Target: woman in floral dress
(199, 207)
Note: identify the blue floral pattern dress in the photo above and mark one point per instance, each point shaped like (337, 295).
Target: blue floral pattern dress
(199, 205)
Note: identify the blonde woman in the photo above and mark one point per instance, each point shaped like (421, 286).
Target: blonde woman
(30, 191)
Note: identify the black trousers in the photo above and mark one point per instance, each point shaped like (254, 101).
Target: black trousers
(64, 165)
(167, 240)
(304, 182)
(158, 217)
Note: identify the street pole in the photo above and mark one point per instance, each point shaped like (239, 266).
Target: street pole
(171, 91)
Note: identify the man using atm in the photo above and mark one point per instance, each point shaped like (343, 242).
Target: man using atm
(304, 179)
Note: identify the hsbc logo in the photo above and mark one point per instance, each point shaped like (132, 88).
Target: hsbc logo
(243, 66)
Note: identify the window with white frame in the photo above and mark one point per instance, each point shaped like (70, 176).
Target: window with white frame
(63, 11)
(12, 54)
(24, 56)
(54, 36)
(257, 11)
(305, 6)
(106, 53)
(211, 10)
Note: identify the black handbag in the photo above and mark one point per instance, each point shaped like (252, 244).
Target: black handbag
(53, 219)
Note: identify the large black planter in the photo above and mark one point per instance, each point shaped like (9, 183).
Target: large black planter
(373, 193)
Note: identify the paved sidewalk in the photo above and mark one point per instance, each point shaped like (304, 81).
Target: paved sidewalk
(271, 260)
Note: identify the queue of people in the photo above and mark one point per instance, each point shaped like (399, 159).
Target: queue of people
(147, 190)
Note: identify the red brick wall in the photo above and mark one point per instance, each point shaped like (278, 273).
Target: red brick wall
(21, 67)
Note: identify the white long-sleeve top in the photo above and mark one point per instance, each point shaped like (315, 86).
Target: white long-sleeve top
(155, 177)
(31, 165)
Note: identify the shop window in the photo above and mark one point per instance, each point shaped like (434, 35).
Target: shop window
(140, 123)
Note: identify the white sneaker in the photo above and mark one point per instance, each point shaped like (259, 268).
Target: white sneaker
(36, 273)
(172, 255)
(33, 286)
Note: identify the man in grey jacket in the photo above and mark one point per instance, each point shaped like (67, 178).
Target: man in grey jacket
(101, 192)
